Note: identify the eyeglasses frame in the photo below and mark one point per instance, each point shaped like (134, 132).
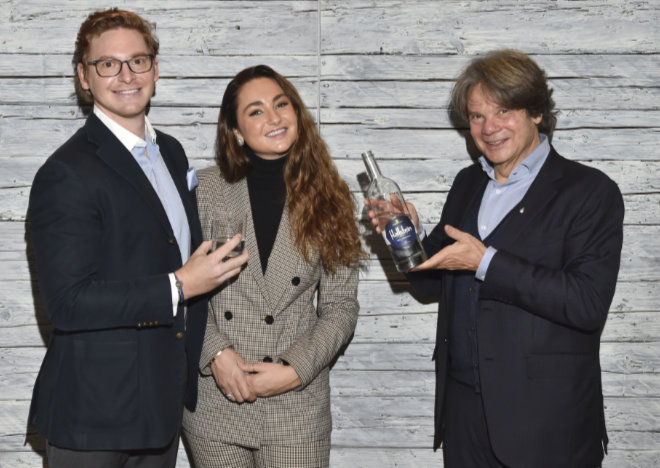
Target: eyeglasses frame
(121, 64)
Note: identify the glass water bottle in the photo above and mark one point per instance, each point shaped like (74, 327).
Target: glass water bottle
(399, 231)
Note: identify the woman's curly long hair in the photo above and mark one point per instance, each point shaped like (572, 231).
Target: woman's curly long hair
(321, 207)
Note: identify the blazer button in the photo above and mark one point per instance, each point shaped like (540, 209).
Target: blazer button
(171, 241)
(179, 335)
(268, 359)
(295, 281)
(228, 315)
(269, 319)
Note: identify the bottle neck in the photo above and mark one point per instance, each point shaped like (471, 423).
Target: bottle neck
(372, 167)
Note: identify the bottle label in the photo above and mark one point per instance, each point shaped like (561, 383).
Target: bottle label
(400, 232)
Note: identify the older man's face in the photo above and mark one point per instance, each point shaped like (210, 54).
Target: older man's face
(504, 136)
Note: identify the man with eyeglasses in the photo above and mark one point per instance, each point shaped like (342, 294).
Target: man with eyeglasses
(121, 265)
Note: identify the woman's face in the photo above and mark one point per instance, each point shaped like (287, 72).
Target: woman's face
(267, 121)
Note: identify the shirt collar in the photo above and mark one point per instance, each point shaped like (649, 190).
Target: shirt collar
(530, 165)
(127, 138)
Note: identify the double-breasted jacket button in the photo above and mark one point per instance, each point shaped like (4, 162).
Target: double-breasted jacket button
(228, 315)
(295, 281)
(268, 359)
(179, 335)
(269, 319)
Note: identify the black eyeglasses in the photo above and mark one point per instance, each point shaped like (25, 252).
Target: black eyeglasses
(112, 66)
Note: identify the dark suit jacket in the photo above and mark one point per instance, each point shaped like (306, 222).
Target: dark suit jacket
(540, 313)
(115, 375)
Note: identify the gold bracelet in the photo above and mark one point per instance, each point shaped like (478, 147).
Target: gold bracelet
(216, 355)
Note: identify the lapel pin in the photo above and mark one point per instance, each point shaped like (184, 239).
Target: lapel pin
(522, 210)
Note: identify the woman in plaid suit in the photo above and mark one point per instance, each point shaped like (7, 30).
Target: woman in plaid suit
(264, 394)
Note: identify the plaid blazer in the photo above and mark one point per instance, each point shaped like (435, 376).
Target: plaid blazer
(295, 312)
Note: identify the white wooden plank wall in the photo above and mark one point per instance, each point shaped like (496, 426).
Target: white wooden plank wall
(376, 75)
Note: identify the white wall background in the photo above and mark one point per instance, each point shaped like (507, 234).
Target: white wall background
(376, 75)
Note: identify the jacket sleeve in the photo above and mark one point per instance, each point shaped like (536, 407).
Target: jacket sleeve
(208, 197)
(338, 311)
(66, 229)
(579, 293)
(214, 341)
(429, 283)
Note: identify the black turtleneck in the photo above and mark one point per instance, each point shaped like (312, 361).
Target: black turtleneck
(267, 190)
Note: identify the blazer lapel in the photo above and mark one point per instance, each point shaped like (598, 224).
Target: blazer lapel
(238, 203)
(474, 189)
(283, 263)
(542, 191)
(116, 156)
(187, 199)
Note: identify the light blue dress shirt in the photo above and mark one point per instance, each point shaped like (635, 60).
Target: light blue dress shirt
(499, 199)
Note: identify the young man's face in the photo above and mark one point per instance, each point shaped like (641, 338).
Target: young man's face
(125, 96)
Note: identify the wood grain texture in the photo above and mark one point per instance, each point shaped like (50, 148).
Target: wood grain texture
(374, 74)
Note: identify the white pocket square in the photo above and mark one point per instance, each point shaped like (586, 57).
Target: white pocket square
(191, 178)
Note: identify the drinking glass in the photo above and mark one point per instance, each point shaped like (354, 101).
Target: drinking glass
(223, 229)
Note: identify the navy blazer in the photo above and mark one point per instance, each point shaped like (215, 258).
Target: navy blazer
(541, 310)
(119, 365)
